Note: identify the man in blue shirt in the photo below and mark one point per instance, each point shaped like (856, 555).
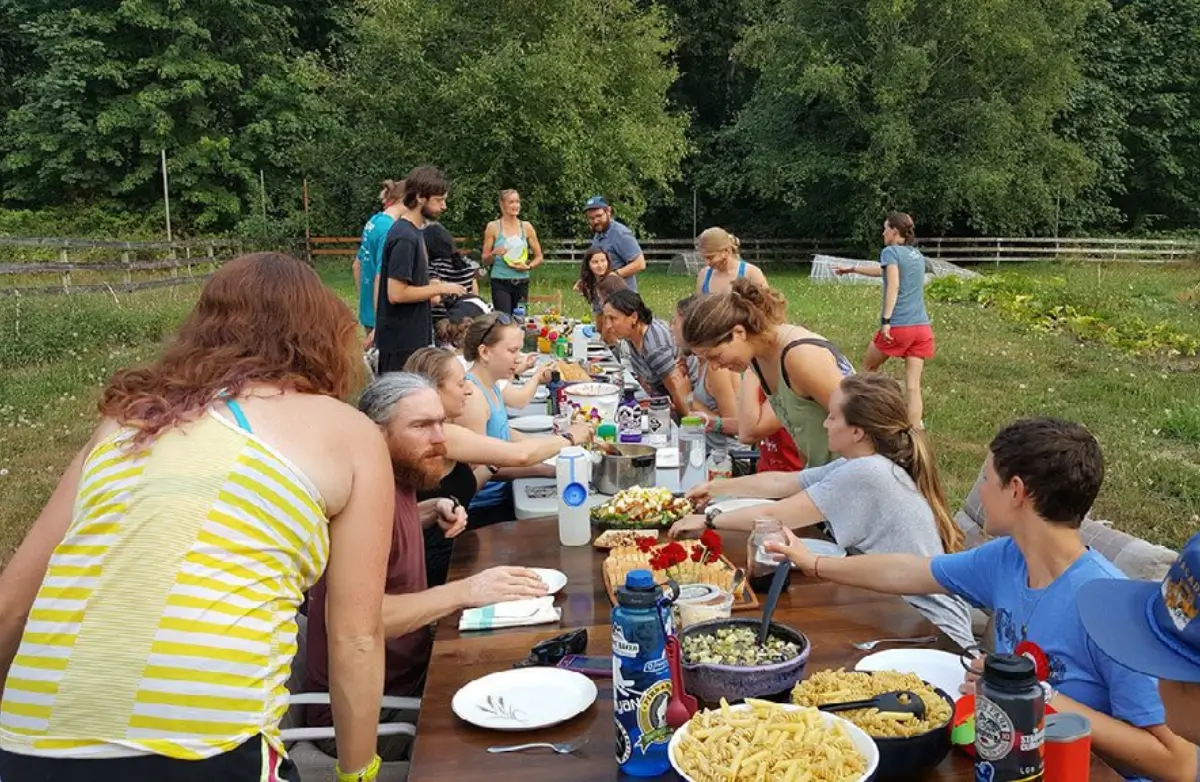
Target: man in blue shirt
(370, 251)
(624, 253)
(1155, 629)
(1041, 477)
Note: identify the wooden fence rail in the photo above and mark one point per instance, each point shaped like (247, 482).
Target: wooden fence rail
(118, 265)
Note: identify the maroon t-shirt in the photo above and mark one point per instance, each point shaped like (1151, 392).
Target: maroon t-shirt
(407, 656)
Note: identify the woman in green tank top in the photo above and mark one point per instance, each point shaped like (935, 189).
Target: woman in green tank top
(512, 249)
(745, 329)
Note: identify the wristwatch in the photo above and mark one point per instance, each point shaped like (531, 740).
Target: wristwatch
(885, 321)
(493, 469)
(570, 438)
(710, 517)
(368, 774)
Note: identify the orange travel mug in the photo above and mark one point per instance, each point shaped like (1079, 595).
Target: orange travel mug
(1067, 751)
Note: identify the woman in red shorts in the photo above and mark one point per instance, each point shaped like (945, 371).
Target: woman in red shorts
(904, 330)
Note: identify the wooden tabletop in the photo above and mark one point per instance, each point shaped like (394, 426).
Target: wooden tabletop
(449, 749)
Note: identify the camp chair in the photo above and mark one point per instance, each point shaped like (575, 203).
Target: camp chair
(313, 764)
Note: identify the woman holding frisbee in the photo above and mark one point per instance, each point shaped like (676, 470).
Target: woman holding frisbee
(904, 329)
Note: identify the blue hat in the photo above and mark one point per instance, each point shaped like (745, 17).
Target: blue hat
(1149, 627)
(595, 202)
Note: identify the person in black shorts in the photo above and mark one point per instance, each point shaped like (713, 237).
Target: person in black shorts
(404, 321)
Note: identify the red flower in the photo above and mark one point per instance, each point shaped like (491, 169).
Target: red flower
(697, 553)
(646, 544)
(674, 553)
(712, 542)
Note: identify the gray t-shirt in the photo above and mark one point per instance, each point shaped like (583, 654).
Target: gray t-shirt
(873, 505)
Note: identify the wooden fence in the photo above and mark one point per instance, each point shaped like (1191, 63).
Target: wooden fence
(54, 265)
(83, 265)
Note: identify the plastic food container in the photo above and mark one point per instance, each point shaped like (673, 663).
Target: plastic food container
(702, 603)
(603, 397)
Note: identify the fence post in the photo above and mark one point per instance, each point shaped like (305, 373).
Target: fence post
(125, 260)
(64, 258)
(999, 241)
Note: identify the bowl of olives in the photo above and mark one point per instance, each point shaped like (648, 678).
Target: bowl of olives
(722, 659)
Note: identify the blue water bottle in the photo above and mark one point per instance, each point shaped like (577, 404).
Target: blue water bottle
(518, 312)
(641, 621)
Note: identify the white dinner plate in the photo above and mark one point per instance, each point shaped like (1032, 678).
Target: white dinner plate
(555, 579)
(823, 548)
(862, 742)
(532, 424)
(941, 669)
(728, 506)
(524, 698)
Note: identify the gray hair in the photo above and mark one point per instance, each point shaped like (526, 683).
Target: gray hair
(379, 399)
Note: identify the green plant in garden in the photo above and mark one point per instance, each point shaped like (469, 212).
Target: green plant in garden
(1046, 305)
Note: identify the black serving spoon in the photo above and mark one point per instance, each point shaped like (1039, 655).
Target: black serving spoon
(781, 574)
(900, 701)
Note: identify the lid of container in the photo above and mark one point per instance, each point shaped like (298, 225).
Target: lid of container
(555, 376)
(639, 590)
(1009, 671)
(696, 592)
(1064, 727)
(692, 420)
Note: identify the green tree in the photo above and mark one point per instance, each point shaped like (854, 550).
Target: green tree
(557, 98)
(219, 85)
(943, 109)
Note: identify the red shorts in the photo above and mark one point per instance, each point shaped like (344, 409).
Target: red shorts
(907, 341)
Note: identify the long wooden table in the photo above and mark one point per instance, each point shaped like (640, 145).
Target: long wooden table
(449, 749)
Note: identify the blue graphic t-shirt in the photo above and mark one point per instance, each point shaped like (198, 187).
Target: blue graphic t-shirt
(1045, 624)
(370, 251)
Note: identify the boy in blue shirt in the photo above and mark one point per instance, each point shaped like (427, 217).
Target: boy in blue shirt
(1041, 477)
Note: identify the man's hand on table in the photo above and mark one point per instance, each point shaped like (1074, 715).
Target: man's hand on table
(500, 584)
(451, 517)
(688, 525)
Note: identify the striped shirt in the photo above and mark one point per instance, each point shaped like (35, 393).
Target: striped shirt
(658, 357)
(165, 623)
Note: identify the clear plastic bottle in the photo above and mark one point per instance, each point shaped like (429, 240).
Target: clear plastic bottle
(692, 456)
(720, 466)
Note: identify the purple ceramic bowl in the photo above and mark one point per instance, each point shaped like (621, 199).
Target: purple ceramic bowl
(711, 682)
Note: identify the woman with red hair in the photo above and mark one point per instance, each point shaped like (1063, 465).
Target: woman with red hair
(147, 622)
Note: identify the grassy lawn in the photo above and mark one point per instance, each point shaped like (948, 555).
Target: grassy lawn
(56, 352)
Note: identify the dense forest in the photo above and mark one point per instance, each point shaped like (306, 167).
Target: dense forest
(773, 117)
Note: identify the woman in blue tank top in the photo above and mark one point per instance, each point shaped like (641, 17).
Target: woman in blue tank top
(720, 251)
(493, 345)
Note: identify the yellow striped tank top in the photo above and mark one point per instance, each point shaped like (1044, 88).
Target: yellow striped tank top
(166, 620)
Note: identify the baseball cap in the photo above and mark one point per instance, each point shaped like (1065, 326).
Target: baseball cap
(1149, 627)
(595, 202)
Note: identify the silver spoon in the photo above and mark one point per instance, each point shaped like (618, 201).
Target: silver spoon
(867, 646)
(564, 748)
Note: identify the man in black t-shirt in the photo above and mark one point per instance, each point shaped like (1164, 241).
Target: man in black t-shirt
(403, 319)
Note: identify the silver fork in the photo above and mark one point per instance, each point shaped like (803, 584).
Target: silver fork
(867, 646)
(564, 748)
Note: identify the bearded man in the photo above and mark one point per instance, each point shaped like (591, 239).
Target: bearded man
(407, 408)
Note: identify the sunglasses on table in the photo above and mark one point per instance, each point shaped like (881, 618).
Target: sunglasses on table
(553, 650)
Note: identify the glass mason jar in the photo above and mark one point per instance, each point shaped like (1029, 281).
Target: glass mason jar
(760, 563)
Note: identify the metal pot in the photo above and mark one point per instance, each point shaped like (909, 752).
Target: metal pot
(634, 467)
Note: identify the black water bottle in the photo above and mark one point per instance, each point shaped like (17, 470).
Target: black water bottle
(1010, 716)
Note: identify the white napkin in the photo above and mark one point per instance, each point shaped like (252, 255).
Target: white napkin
(515, 613)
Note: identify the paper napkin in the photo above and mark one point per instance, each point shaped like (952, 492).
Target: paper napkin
(535, 611)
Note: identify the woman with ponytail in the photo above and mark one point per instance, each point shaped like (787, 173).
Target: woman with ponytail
(799, 370)
(721, 253)
(883, 496)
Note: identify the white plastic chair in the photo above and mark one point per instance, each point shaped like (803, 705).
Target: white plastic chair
(313, 764)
